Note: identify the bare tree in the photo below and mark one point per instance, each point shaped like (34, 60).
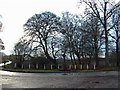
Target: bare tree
(18, 52)
(93, 35)
(71, 24)
(115, 34)
(103, 13)
(40, 27)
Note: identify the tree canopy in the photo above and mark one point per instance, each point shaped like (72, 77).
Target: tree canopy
(72, 36)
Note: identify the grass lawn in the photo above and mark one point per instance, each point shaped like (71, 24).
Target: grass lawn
(46, 71)
(32, 70)
(110, 69)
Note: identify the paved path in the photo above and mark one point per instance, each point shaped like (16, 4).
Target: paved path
(106, 79)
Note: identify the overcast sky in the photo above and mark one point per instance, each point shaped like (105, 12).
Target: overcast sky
(16, 12)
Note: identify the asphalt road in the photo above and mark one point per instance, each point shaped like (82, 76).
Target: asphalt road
(106, 79)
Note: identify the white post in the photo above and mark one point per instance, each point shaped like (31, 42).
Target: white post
(70, 67)
(75, 67)
(44, 67)
(15, 65)
(51, 66)
(81, 66)
(29, 66)
(58, 67)
(87, 67)
(94, 67)
(22, 66)
(36, 66)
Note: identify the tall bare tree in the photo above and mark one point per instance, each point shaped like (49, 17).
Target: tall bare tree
(103, 12)
(115, 34)
(40, 28)
(71, 27)
(91, 28)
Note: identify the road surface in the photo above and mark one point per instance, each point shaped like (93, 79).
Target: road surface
(106, 79)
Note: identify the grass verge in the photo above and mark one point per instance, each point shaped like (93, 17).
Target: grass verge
(46, 71)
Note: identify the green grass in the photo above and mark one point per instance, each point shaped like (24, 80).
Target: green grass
(46, 71)
(32, 70)
(110, 69)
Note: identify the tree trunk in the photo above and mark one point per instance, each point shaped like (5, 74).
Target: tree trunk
(117, 51)
(78, 56)
(96, 57)
(106, 48)
(96, 49)
(71, 54)
(50, 58)
(106, 36)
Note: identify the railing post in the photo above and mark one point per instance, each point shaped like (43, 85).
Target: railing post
(75, 67)
(36, 66)
(70, 67)
(58, 67)
(94, 67)
(22, 66)
(87, 67)
(51, 66)
(15, 65)
(44, 67)
(29, 66)
(81, 66)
